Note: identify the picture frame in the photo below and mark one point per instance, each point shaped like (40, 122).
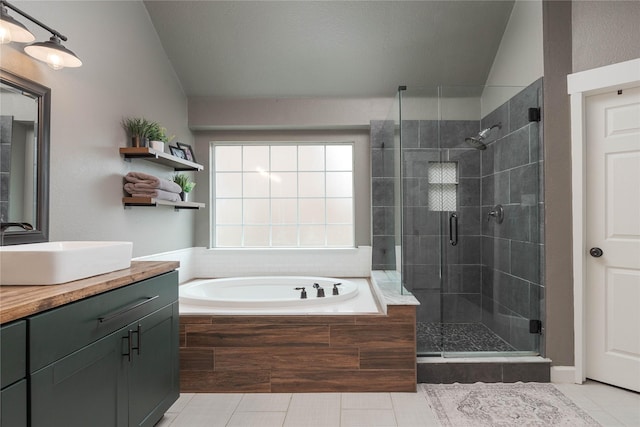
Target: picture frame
(178, 152)
(188, 151)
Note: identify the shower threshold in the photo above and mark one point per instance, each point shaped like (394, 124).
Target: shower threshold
(471, 369)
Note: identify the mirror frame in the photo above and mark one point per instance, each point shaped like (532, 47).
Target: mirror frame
(43, 95)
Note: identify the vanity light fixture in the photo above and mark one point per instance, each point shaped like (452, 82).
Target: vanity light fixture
(52, 52)
(12, 30)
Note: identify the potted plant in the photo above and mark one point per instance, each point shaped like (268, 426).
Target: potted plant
(158, 136)
(138, 129)
(185, 183)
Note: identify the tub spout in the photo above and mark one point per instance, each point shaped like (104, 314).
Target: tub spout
(303, 294)
(335, 288)
(320, 290)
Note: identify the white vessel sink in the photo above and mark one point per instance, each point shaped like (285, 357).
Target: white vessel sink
(52, 263)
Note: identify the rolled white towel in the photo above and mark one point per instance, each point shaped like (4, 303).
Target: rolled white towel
(145, 181)
(159, 194)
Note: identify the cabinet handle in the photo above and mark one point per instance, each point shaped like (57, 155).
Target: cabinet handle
(129, 339)
(130, 346)
(139, 334)
(133, 306)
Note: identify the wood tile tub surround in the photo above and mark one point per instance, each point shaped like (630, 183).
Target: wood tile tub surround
(297, 354)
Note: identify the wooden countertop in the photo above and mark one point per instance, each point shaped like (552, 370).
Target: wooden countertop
(17, 302)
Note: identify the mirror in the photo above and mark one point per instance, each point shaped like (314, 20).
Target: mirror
(25, 111)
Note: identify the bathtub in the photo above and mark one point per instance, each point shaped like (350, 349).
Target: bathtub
(276, 295)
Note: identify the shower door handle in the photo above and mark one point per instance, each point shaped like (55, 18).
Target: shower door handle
(453, 229)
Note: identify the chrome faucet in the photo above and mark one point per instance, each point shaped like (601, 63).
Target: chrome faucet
(24, 225)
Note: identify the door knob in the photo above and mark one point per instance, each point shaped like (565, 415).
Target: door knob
(595, 252)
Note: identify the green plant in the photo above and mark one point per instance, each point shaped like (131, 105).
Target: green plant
(184, 182)
(138, 126)
(158, 133)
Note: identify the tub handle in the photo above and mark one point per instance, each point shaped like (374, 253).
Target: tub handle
(303, 294)
(335, 288)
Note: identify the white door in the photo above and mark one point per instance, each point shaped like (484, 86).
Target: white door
(612, 315)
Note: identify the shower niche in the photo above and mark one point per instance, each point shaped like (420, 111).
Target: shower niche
(443, 162)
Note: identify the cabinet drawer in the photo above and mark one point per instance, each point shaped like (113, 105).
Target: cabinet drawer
(13, 401)
(13, 352)
(60, 331)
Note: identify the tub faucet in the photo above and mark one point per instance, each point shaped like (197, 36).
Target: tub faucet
(320, 290)
(335, 288)
(24, 225)
(303, 294)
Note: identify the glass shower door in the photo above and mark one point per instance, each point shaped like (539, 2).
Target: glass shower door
(471, 211)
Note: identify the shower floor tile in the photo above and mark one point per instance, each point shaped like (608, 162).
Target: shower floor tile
(458, 337)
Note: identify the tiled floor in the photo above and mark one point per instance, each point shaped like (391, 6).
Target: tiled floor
(609, 406)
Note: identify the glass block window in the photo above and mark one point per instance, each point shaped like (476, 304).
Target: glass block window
(443, 186)
(282, 195)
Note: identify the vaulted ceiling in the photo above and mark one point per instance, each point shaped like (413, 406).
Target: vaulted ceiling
(243, 49)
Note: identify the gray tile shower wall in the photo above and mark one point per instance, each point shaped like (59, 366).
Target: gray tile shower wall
(511, 175)
(383, 194)
(453, 290)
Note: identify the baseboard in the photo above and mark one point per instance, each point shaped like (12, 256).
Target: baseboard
(563, 374)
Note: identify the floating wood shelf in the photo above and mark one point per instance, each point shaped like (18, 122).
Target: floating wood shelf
(149, 201)
(160, 157)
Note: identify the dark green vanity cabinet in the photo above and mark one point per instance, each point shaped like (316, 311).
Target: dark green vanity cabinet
(13, 373)
(108, 360)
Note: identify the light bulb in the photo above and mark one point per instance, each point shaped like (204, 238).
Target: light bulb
(54, 61)
(5, 35)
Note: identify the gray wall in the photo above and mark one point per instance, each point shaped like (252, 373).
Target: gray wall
(578, 36)
(125, 72)
(604, 32)
(557, 161)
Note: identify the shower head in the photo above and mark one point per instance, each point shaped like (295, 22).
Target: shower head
(477, 141)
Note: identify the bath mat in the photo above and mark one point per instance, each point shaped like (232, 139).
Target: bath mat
(504, 405)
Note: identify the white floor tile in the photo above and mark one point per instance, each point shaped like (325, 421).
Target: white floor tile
(182, 401)
(412, 410)
(366, 401)
(265, 402)
(166, 420)
(257, 419)
(605, 419)
(208, 410)
(368, 418)
(313, 410)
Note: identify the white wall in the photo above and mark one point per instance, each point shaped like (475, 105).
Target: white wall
(125, 73)
(519, 60)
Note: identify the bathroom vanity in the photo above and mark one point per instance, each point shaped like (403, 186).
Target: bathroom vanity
(101, 351)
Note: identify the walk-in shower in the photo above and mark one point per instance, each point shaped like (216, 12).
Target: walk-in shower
(458, 218)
